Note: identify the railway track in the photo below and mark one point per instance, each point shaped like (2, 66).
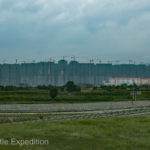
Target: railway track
(60, 116)
(102, 114)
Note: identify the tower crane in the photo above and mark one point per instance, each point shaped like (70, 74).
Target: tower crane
(73, 58)
(99, 61)
(91, 60)
(117, 61)
(130, 61)
(4, 61)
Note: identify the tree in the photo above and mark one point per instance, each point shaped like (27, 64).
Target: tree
(53, 93)
(71, 87)
(123, 86)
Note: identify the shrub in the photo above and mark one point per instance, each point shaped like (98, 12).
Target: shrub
(53, 93)
(71, 87)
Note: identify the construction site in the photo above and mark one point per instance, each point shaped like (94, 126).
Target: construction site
(51, 73)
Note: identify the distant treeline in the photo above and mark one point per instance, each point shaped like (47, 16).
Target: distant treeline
(72, 87)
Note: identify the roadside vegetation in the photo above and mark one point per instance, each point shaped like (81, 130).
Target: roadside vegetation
(123, 133)
(71, 93)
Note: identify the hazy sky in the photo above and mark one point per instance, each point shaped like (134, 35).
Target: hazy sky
(105, 29)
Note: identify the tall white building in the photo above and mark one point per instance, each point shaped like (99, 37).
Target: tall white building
(128, 81)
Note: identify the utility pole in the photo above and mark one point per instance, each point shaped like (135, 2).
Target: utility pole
(134, 94)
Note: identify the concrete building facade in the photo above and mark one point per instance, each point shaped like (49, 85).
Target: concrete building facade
(50, 73)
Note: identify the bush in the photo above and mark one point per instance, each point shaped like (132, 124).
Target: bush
(94, 88)
(53, 93)
(44, 87)
(71, 87)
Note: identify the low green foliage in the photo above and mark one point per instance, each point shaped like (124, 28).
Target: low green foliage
(71, 87)
(41, 95)
(125, 133)
(53, 93)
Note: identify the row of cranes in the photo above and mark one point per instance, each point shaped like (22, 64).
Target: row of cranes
(74, 58)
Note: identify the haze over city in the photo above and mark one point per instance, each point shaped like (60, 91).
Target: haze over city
(75, 74)
(105, 29)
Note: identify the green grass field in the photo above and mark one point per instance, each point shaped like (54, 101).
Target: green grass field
(125, 133)
(42, 96)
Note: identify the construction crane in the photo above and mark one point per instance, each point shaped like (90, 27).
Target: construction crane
(117, 61)
(109, 62)
(16, 61)
(73, 58)
(52, 59)
(63, 57)
(99, 61)
(130, 61)
(24, 61)
(142, 63)
(4, 61)
(33, 61)
(91, 61)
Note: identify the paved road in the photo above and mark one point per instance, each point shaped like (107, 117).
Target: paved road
(79, 107)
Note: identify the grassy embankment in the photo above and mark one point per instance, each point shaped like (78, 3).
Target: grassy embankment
(42, 96)
(126, 133)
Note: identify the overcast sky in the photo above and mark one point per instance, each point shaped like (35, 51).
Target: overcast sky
(102, 29)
